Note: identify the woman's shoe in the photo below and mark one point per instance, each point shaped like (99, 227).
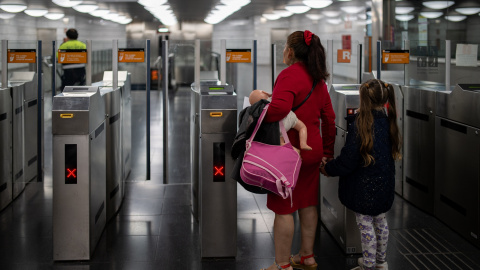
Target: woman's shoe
(280, 267)
(302, 265)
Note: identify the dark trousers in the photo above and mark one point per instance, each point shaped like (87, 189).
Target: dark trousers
(73, 76)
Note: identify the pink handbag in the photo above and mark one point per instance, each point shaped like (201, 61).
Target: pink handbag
(273, 167)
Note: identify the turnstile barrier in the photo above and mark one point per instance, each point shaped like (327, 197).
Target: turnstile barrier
(457, 162)
(419, 147)
(6, 144)
(18, 117)
(339, 220)
(214, 194)
(30, 121)
(79, 186)
(114, 166)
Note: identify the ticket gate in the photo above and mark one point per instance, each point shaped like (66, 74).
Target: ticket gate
(214, 194)
(457, 163)
(340, 221)
(6, 145)
(114, 169)
(124, 82)
(18, 151)
(79, 143)
(419, 146)
(30, 108)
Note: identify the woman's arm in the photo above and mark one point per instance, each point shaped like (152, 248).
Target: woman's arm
(328, 126)
(282, 98)
(349, 158)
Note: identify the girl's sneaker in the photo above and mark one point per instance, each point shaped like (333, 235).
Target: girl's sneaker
(382, 266)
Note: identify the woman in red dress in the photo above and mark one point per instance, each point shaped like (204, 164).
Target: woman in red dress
(305, 56)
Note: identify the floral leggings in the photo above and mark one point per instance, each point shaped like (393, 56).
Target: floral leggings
(374, 232)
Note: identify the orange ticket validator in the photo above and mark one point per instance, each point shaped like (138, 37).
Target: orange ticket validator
(21, 56)
(239, 55)
(131, 55)
(72, 56)
(396, 57)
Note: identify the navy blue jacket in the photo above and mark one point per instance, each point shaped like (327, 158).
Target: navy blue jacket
(366, 190)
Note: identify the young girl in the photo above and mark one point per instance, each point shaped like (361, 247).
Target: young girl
(367, 170)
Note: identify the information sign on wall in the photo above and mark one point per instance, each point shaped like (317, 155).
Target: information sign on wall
(131, 55)
(21, 56)
(344, 56)
(72, 56)
(239, 55)
(396, 57)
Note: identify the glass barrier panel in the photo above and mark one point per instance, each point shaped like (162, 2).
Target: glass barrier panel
(427, 63)
(25, 53)
(240, 68)
(181, 63)
(345, 62)
(209, 61)
(279, 46)
(465, 62)
(393, 72)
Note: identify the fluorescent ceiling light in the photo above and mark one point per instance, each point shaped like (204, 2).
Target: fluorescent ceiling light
(352, 9)
(271, 16)
(334, 21)
(297, 8)
(317, 3)
(6, 16)
(468, 11)
(163, 30)
(152, 3)
(404, 17)
(438, 4)
(54, 15)
(431, 14)
(67, 3)
(283, 13)
(13, 8)
(86, 7)
(403, 10)
(331, 13)
(456, 18)
(34, 12)
(110, 16)
(314, 17)
(240, 3)
(126, 21)
(99, 12)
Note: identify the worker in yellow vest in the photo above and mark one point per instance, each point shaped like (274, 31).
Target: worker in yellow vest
(73, 74)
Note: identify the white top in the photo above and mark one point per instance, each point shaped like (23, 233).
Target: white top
(289, 121)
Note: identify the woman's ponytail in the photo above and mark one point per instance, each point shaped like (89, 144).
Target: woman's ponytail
(316, 60)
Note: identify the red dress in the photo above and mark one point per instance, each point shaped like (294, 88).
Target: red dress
(291, 87)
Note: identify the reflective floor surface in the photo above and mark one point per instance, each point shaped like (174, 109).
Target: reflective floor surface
(154, 228)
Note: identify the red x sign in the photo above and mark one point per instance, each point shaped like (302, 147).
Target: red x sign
(71, 173)
(218, 171)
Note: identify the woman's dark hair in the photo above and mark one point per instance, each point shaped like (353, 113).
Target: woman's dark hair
(72, 33)
(313, 56)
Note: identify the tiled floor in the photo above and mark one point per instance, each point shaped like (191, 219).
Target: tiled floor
(154, 228)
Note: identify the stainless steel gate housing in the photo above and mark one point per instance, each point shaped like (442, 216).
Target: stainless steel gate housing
(79, 175)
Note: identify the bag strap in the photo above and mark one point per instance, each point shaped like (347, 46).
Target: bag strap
(298, 106)
(259, 122)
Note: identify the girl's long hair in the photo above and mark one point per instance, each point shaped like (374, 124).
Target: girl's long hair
(375, 94)
(313, 56)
